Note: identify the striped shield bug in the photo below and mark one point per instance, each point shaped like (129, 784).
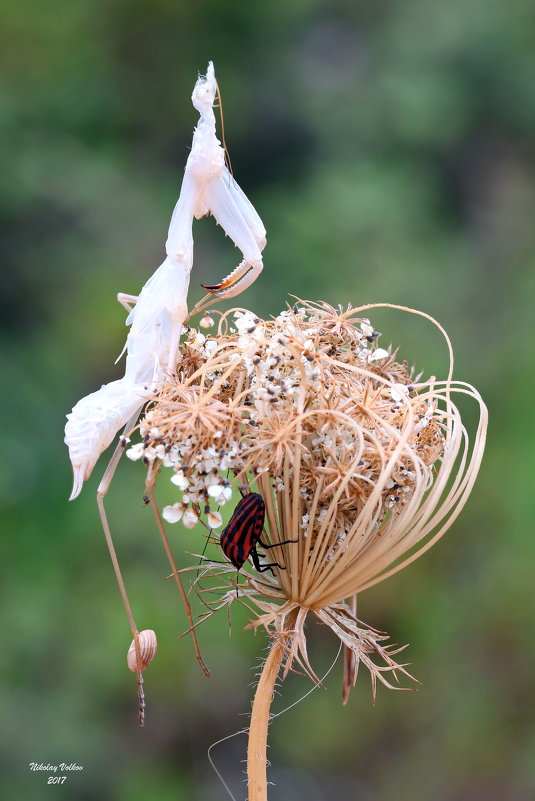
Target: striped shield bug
(244, 530)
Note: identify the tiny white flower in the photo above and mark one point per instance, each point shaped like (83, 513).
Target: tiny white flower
(135, 452)
(173, 513)
(190, 518)
(399, 391)
(214, 519)
(366, 328)
(207, 321)
(220, 493)
(378, 354)
(180, 480)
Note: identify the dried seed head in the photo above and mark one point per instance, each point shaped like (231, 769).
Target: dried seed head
(361, 461)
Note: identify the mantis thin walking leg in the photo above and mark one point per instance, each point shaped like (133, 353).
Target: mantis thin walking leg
(149, 490)
(101, 493)
(125, 300)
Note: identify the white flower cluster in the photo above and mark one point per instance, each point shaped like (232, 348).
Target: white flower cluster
(200, 482)
(281, 366)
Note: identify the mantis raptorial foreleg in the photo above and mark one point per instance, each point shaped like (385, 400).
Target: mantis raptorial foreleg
(238, 280)
(226, 202)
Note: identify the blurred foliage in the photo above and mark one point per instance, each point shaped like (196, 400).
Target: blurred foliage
(388, 148)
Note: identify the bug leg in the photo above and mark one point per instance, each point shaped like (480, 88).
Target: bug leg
(149, 489)
(125, 300)
(103, 488)
(263, 568)
(275, 544)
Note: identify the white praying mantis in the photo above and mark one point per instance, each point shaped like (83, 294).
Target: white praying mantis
(156, 318)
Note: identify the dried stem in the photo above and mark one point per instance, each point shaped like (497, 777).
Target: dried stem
(257, 746)
(175, 572)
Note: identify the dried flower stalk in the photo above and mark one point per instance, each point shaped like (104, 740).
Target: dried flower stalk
(363, 463)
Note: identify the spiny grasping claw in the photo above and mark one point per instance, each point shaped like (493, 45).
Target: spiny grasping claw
(238, 280)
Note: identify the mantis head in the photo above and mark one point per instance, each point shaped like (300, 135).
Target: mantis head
(205, 90)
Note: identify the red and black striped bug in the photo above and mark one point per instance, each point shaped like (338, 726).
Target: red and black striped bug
(244, 530)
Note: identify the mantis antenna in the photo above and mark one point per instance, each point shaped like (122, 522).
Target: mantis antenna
(221, 117)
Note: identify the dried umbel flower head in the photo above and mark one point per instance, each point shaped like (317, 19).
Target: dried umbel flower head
(361, 463)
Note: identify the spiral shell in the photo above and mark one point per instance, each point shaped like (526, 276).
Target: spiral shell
(148, 646)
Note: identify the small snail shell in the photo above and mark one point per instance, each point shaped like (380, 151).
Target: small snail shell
(148, 645)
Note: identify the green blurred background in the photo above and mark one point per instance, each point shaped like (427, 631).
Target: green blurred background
(388, 148)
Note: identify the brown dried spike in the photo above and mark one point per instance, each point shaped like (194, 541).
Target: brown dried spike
(148, 646)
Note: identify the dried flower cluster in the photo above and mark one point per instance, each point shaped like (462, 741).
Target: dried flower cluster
(360, 461)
